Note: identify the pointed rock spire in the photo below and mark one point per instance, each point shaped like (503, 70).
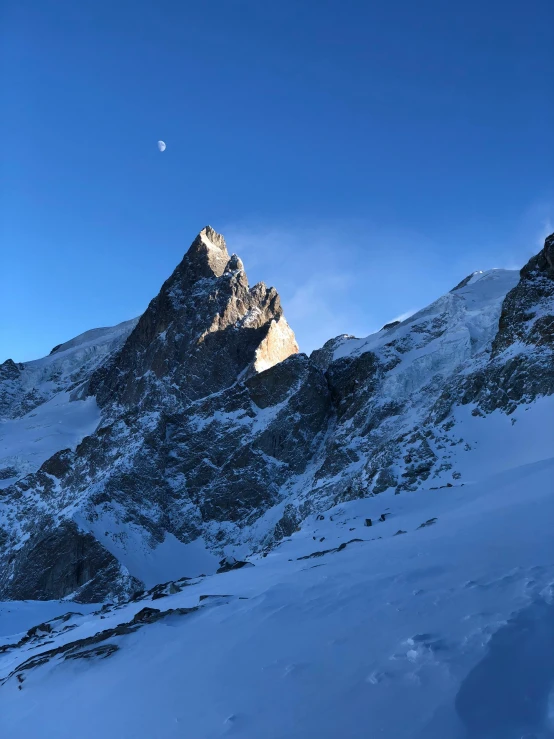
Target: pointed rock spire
(207, 255)
(204, 330)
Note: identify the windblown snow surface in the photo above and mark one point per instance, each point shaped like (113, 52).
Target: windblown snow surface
(472, 311)
(438, 624)
(27, 442)
(55, 421)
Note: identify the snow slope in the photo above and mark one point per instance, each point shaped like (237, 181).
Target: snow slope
(439, 632)
(472, 313)
(73, 361)
(27, 442)
(55, 420)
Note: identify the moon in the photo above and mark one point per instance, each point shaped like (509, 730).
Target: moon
(161, 145)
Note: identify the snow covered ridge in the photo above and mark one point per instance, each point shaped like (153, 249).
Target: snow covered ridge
(37, 417)
(25, 386)
(472, 309)
(175, 448)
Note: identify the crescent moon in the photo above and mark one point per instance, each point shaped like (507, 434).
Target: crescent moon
(161, 145)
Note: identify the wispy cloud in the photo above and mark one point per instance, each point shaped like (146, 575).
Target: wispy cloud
(532, 226)
(546, 228)
(333, 278)
(403, 316)
(536, 223)
(314, 270)
(351, 276)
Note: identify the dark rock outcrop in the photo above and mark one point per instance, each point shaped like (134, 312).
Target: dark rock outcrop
(522, 356)
(9, 370)
(203, 330)
(63, 561)
(227, 564)
(93, 646)
(528, 310)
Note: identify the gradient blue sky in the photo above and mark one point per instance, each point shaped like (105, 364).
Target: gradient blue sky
(361, 156)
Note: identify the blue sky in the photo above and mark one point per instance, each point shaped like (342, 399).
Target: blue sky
(361, 156)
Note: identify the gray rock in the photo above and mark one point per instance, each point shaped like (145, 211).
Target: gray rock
(60, 562)
(203, 330)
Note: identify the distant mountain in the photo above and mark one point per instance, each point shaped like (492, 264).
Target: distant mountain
(134, 455)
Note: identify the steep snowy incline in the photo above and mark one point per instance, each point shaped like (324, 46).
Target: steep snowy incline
(390, 429)
(25, 386)
(458, 325)
(27, 442)
(39, 416)
(434, 623)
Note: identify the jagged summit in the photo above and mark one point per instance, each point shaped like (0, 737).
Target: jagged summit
(202, 426)
(204, 329)
(213, 237)
(528, 314)
(543, 261)
(207, 256)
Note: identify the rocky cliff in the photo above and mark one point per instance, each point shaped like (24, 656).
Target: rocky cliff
(202, 429)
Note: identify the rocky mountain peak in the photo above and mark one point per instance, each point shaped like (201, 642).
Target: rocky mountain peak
(206, 257)
(205, 436)
(215, 239)
(542, 263)
(204, 329)
(528, 311)
(9, 370)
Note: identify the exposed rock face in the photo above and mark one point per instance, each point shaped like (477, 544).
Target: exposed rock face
(9, 370)
(528, 311)
(522, 353)
(213, 426)
(203, 330)
(63, 560)
(324, 356)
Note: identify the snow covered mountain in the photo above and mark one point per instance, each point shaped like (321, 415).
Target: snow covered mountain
(350, 532)
(145, 452)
